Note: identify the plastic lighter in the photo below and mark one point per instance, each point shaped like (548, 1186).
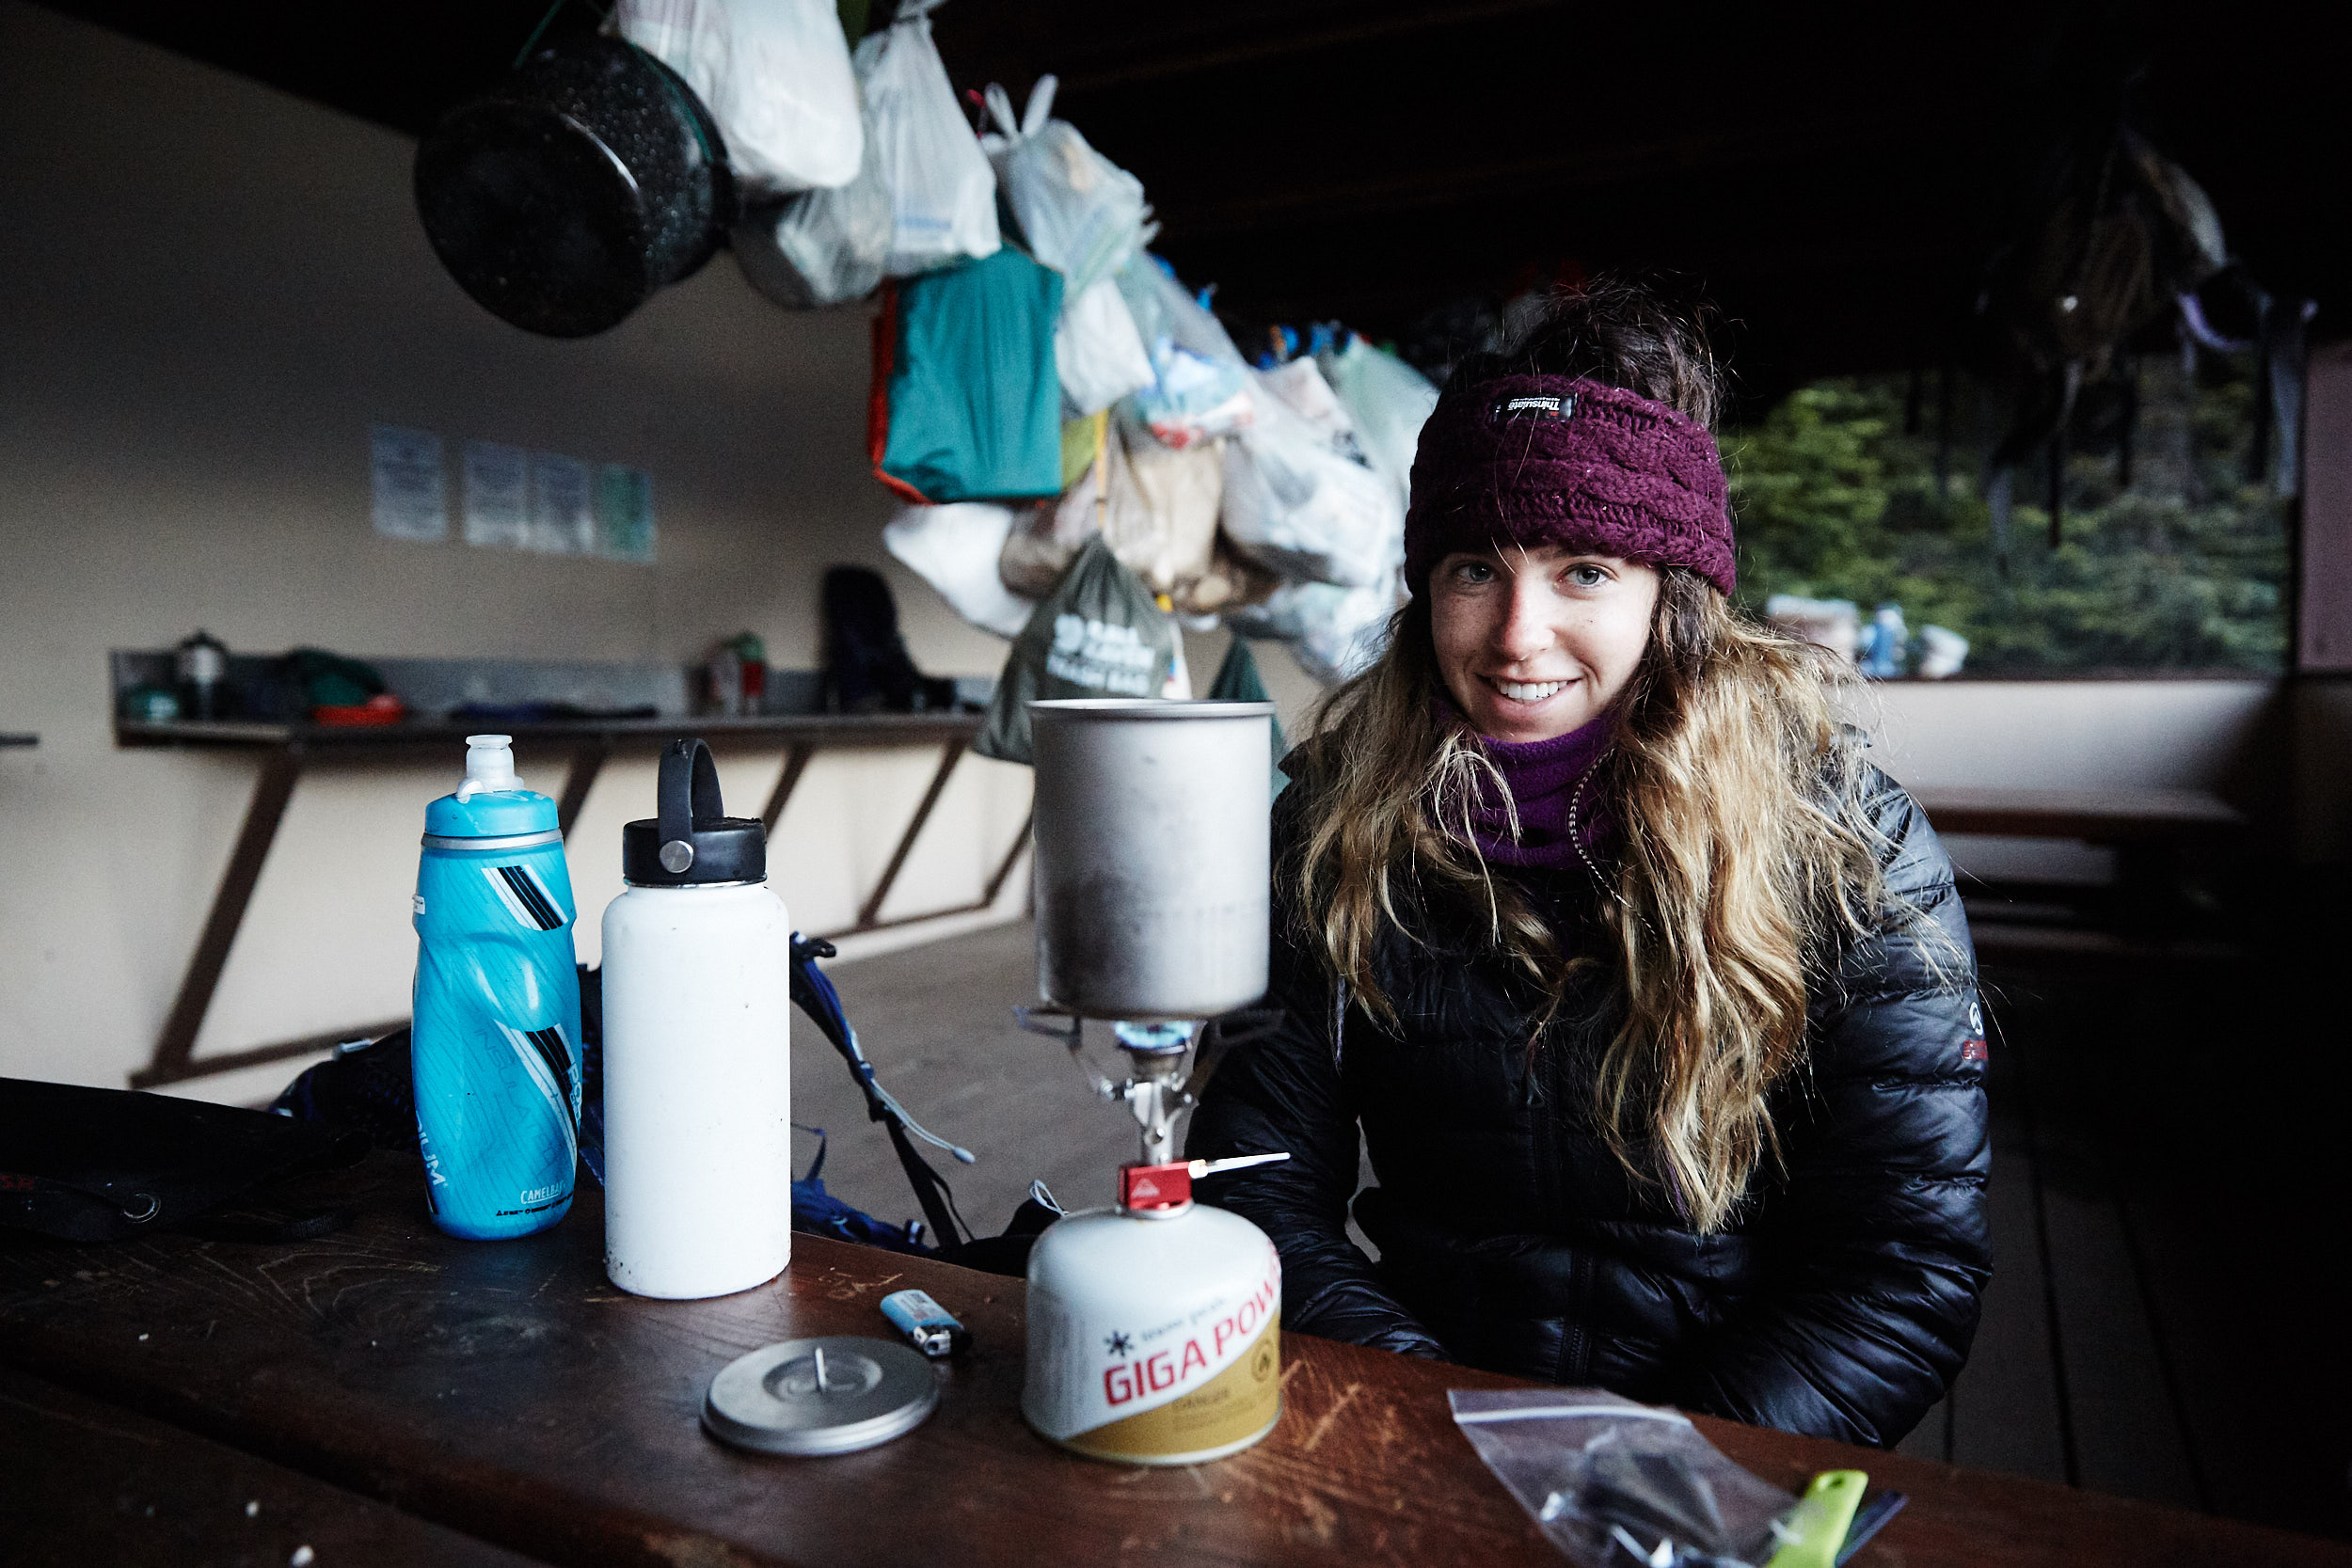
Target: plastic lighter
(926, 1324)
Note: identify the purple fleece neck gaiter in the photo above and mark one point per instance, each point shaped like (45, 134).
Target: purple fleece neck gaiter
(1543, 776)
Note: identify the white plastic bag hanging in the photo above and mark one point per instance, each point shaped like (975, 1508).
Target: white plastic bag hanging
(1079, 212)
(955, 550)
(1097, 351)
(821, 247)
(942, 194)
(1201, 383)
(1334, 633)
(1304, 392)
(1388, 400)
(1306, 504)
(774, 75)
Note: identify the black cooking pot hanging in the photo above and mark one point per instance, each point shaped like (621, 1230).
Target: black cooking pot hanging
(562, 199)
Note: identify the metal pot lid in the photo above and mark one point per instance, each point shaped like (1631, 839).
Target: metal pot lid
(1144, 707)
(831, 1395)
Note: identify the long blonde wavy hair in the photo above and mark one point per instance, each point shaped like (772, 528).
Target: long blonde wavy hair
(1742, 859)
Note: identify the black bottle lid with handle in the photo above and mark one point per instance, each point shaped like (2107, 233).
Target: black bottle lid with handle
(692, 841)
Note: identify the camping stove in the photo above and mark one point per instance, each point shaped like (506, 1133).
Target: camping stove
(1155, 1332)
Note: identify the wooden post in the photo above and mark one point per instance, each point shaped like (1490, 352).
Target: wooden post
(795, 763)
(268, 808)
(869, 916)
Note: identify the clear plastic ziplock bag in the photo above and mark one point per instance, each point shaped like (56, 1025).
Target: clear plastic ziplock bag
(1617, 1484)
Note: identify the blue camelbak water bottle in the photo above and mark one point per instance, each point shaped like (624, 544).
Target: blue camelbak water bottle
(496, 1039)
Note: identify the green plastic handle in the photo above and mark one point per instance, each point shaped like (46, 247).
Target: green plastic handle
(1816, 1526)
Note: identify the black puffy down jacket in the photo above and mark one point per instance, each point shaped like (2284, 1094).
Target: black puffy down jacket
(1841, 1303)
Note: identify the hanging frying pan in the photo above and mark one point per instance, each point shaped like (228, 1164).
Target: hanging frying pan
(563, 197)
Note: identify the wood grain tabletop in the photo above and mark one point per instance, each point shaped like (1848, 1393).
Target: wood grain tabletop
(508, 1392)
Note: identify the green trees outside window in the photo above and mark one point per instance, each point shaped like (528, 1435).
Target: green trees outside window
(2184, 568)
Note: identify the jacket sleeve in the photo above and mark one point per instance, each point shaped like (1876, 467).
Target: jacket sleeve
(1284, 1093)
(1875, 1242)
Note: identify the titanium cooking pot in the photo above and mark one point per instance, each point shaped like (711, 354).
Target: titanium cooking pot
(565, 196)
(1151, 856)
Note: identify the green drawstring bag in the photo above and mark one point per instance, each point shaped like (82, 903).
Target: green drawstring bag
(1098, 634)
(967, 383)
(1237, 682)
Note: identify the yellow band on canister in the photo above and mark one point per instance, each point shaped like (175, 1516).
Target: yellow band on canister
(1229, 1411)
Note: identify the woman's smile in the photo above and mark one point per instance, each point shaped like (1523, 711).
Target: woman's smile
(1528, 693)
(1535, 642)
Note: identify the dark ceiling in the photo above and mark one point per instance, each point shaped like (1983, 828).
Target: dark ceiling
(1832, 177)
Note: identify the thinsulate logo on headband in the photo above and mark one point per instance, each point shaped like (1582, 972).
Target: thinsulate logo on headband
(1532, 408)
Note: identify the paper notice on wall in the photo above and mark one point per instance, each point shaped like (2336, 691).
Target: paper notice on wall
(624, 530)
(497, 495)
(410, 494)
(563, 510)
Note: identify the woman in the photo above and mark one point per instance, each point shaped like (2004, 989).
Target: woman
(1653, 998)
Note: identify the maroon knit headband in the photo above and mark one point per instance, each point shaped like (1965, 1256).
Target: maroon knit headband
(1559, 460)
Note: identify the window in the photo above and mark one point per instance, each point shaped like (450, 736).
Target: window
(2170, 554)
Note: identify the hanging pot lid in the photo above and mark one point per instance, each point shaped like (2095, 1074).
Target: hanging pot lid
(565, 196)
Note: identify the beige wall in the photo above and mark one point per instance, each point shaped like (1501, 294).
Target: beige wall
(212, 291)
(2075, 734)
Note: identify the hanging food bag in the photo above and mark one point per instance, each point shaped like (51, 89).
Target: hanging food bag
(1097, 635)
(821, 247)
(1098, 352)
(1233, 583)
(775, 76)
(1164, 525)
(1334, 633)
(1303, 391)
(1156, 509)
(966, 404)
(1389, 402)
(1079, 212)
(942, 194)
(955, 550)
(1200, 387)
(1045, 539)
(1302, 501)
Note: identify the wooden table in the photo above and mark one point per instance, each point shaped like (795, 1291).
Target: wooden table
(287, 750)
(2148, 829)
(107, 1486)
(2116, 817)
(506, 1393)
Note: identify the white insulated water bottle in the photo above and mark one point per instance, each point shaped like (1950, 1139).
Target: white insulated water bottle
(697, 1060)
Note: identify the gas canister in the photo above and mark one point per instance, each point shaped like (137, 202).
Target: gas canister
(1154, 1326)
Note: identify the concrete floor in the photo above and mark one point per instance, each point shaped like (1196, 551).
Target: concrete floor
(937, 1023)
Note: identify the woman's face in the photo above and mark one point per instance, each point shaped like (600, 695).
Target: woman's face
(1535, 642)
